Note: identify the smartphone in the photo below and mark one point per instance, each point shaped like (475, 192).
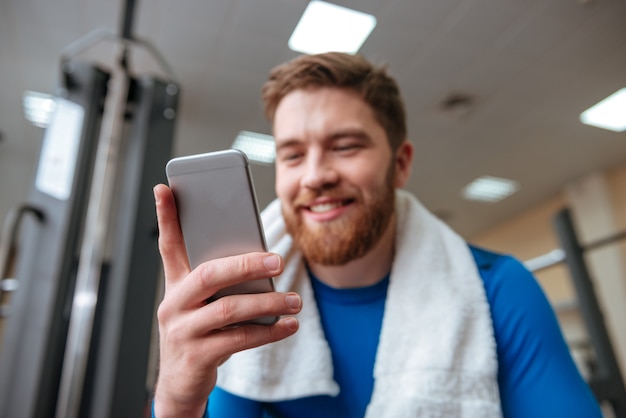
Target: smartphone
(218, 213)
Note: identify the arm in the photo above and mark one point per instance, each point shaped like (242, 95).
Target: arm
(195, 337)
(537, 376)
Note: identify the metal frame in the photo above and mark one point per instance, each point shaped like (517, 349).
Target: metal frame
(8, 240)
(108, 363)
(606, 380)
(119, 358)
(78, 338)
(36, 329)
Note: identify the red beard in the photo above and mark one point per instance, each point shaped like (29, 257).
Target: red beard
(343, 240)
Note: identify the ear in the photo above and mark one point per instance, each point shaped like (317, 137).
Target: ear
(403, 160)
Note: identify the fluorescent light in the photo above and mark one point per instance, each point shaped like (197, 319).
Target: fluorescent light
(326, 27)
(257, 147)
(38, 108)
(490, 189)
(609, 113)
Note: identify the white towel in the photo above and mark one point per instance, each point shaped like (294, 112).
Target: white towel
(437, 352)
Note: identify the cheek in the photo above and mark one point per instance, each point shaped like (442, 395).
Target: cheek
(285, 184)
(366, 179)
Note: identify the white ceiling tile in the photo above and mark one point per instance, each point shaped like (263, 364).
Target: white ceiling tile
(270, 18)
(405, 40)
(481, 22)
(420, 13)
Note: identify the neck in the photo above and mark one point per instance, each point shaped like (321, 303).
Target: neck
(364, 271)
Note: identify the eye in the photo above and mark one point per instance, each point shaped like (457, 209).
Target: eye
(346, 147)
(290, 156)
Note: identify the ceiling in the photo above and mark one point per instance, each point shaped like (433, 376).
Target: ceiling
(531, 67)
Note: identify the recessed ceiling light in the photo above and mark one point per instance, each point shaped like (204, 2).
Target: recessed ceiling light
(38, 108)
(257, 147)
(326, 27)
(609, 113)
(490, 189)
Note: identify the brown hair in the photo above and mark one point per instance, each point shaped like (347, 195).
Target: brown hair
(336, 69)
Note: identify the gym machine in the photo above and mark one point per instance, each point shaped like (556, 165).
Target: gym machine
(605, 378)
(78, 325)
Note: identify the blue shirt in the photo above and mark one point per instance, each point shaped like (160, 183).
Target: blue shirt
(536, 374)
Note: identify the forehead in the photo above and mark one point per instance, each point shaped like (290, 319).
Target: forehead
(321, 109)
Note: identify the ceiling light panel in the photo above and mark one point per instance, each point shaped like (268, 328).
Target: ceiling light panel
(326, 27)
(490, 189)
(38, 108)
(609, 113)
(257, 147)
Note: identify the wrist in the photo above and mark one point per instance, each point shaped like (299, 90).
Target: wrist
(164, 407)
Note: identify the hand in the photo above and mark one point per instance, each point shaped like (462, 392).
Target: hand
(195, 337)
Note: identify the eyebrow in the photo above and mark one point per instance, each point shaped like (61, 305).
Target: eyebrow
(280, 144)
(353, 132)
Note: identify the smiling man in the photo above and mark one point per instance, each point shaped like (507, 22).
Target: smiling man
(397, 315)
(331, 152)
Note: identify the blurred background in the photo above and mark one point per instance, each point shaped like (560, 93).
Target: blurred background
(492, 88)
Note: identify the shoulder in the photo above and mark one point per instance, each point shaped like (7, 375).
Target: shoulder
(515, 298)
(490, 262)
(536, 374)
(523, 319)
(504, 276)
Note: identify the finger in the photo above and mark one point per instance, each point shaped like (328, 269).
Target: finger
(171, 242)
(226, 342)
(239, 309)
(213, 275)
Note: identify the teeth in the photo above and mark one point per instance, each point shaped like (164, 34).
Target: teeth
(325, 207)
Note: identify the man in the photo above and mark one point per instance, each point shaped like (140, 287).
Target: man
(398, 316)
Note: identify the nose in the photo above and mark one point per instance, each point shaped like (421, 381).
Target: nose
(319, 173)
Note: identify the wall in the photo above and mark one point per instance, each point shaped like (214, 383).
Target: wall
(616, 179)
(531, 235)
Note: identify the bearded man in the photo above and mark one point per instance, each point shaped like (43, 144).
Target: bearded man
(397, 316)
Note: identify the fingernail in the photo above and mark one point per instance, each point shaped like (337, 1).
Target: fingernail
(291, 323)
(155, 195)
(271, 262)
(294, 301)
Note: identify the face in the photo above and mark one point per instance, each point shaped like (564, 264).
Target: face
(335, 173)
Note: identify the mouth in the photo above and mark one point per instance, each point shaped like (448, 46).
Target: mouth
(327, 205)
